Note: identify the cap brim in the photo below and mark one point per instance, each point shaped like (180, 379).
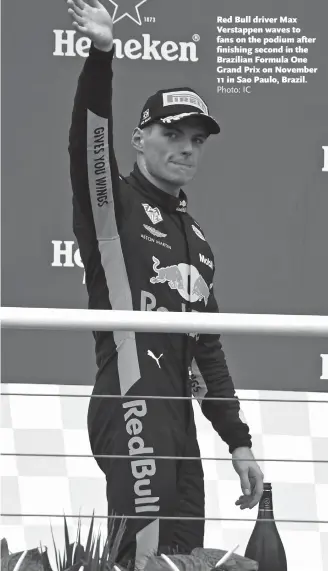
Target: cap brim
(211, 124)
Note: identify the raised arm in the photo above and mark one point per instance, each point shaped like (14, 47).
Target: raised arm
(93, 167)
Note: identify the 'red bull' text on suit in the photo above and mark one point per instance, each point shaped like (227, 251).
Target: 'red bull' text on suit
(142, 251)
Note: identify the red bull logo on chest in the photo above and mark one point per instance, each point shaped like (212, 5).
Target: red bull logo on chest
(183, 278)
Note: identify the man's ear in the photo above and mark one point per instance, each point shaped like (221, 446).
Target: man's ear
(138, 138)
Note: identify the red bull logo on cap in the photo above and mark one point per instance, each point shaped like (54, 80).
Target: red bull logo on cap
(177, 277)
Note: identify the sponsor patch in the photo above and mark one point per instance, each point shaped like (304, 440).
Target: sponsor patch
(184, 278)
(142, 469)
(198, 232)
(184, 98)
(171, 118)
(153, 213)
(155, 241)
(182, 206)
(155, 232)
(151, 354)
(206, 261)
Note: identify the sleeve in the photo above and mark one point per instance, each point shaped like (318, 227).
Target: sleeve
(93, 169)
(211, 376)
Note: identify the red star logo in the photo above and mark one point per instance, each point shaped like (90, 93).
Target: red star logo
(129, 8)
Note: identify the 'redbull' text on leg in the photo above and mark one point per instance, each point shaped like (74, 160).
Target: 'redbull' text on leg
(142, 469)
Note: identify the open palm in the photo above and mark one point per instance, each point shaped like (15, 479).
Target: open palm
(92, 19)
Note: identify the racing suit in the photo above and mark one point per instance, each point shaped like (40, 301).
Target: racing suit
(142, 251)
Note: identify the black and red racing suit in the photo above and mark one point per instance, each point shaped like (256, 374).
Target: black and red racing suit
(142, 251)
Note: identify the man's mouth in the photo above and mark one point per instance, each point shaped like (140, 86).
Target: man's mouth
(184, 165)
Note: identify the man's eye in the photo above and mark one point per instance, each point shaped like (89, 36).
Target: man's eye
(200, 141)
(171, 135)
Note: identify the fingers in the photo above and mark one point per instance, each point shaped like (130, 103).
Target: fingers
(77, 4)
(244, 481)
(76, 12)
(250, 500)
(80, 28)
(258, 490)
(243, 502)
(77, 19)
(93, 3)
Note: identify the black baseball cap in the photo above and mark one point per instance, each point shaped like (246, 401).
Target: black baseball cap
(168, 106)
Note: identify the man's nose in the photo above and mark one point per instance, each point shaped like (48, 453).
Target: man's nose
(187, 148)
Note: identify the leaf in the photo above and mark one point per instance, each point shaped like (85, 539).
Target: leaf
(4, 548)
(45, 560)
(116, 543)
(61, 563)
(55, 550)
(20, 561)
(4, 555)
(95, 561)
(78, 553)
(67, 561)
(111, 532)
(87, 549)
(105, 555)
(78, 535)
(89, 556)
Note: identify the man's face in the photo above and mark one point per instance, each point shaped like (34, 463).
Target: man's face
(172, 152)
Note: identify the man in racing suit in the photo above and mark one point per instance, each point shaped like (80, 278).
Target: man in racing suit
(142, 250)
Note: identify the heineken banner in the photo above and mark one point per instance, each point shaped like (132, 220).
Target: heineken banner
(261, 194)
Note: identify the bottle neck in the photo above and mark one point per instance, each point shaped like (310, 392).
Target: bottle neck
(266, 506)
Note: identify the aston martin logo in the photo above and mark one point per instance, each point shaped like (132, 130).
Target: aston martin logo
(129, 8)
